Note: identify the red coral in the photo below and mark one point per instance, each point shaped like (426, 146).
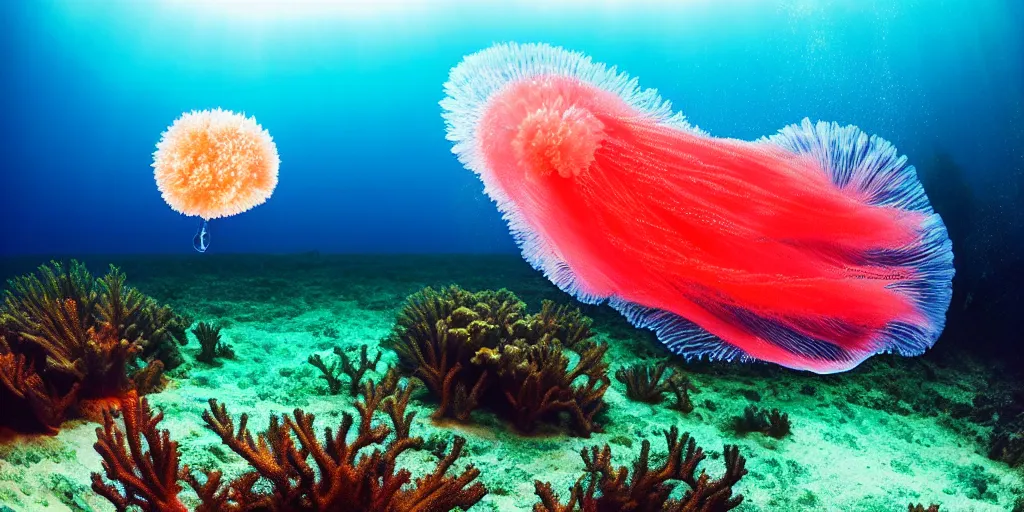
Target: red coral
(148, 478)
(304, 474)
(307, 474)
(611, 489)
(28, 391)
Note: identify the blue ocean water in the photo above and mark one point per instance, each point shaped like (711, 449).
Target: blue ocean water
(350, 96)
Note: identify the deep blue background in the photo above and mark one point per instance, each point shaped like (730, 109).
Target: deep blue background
(88, 86)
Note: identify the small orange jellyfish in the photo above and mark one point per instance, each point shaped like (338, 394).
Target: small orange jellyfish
(215, 163)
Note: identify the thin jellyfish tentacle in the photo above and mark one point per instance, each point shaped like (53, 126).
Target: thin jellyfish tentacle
(201, 241)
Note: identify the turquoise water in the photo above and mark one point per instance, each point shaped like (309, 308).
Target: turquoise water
(350, 95)
(372, 206)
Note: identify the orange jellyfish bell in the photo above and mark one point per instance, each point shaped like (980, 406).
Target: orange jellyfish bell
(215, 163)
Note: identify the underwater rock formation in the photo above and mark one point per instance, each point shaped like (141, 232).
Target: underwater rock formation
(342, 472)
(466, 346)
(647, 488)
(67, 339)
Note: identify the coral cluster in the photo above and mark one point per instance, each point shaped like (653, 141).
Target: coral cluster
(483, 348)
(291, 468)
(210, 345)
(646, 383)
(772, 423)
(67, 338)
(604, 487)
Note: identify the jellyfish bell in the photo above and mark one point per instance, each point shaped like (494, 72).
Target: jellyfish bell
(213, 164)
(814, 248)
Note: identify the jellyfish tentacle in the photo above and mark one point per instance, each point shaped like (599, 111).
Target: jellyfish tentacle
(201, 241)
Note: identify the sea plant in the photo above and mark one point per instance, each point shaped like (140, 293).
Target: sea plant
(645, 383)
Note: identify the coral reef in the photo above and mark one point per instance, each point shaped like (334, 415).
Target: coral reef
(610, 488)
(772, 423)
(354, 372)
(66, 337)
(292, 469)
(473, 348)
(210, 345)
(921, 508)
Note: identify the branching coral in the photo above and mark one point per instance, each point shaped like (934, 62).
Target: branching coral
(354, 372)
(921, 508)
(604, 487)
(474, 348)
(645, 383)
(772, 423)
(292, 469)
(66, 337)
(680, 387)
(210, 345)
(537, 382)
(148, 476)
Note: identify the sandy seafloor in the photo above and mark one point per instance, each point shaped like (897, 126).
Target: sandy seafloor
(872, 439)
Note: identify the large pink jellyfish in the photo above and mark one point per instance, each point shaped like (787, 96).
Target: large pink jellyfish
(814, 248)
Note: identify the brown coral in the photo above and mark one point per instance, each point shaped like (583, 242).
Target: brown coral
(210, 345)
(482, 348)
(355, 372)
(772, 423)
(645, 383)
(66, 337)
(345, 471)
(610, 488)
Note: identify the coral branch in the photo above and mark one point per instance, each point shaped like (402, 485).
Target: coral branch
(647, 488)
(148, 478)
(355, 373)
(210, 345)
(482, 348)
(644, 383)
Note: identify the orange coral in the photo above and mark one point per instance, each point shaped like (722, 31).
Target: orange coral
(215, 163)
